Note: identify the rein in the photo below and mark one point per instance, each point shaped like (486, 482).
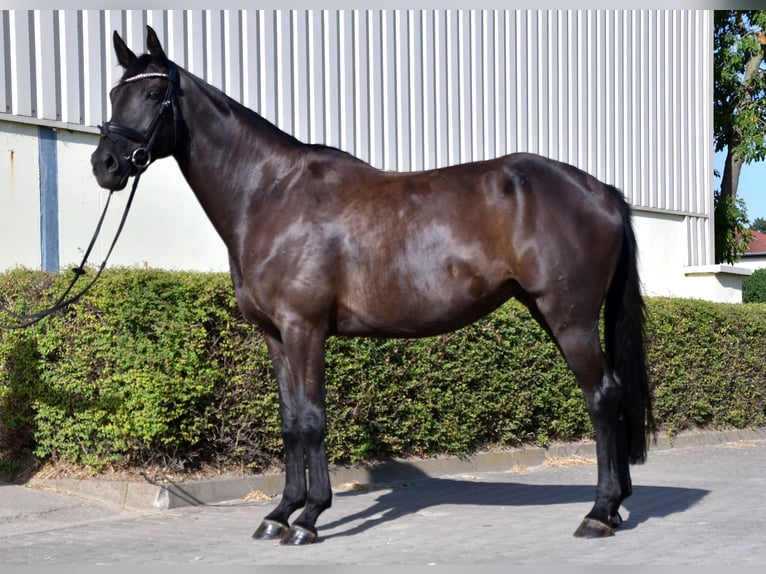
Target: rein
(140, 158)
(65, 299)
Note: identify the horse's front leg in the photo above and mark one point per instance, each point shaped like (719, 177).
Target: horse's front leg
(299, 366)
(276, 524)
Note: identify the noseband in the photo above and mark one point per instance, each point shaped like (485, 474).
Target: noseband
(141, 157)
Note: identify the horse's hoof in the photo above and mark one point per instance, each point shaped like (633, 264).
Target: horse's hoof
(615, 520)
(298, 536)
(270, 530)
(591, 528)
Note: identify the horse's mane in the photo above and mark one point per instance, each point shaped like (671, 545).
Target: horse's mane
(226, 105)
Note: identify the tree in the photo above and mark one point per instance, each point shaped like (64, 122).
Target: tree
(739, 114)
(759, 224)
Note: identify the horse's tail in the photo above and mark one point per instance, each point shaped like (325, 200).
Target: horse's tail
(624, 316)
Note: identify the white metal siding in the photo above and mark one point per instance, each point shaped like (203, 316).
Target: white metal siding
(624, 94)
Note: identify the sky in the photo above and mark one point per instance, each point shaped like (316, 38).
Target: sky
(752, 185)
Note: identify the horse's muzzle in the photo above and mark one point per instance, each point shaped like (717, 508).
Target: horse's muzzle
(110, 169)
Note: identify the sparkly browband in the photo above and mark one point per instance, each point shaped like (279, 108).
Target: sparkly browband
(145, 76)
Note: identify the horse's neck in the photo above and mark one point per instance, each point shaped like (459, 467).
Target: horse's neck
(232, 155)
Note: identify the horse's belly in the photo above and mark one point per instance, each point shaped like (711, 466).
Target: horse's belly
(406, 312)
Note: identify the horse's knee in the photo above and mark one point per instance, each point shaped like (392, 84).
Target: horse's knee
(291, 432)
(312, 426)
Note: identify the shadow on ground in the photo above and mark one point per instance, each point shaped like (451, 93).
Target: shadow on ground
(414, 491)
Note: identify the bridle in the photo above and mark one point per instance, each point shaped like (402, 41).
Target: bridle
(140, 158)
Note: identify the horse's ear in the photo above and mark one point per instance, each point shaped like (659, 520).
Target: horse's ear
(125, 56)
(154, 46)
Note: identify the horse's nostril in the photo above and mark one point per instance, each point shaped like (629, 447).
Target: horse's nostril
(110, 163)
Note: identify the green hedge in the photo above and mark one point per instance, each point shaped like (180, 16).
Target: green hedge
(754, 287)
(158, 367)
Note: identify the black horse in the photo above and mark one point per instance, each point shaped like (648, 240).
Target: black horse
(320, 243)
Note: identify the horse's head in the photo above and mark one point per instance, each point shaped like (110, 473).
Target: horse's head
(144, 115)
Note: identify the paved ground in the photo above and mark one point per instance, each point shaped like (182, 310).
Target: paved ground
(697, 505)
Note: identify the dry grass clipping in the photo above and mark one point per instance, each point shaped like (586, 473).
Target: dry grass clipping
(574, 460)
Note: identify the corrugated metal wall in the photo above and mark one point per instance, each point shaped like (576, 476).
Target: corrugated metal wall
(623, 94)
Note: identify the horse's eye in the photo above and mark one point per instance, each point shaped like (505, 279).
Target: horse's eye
(153, 95)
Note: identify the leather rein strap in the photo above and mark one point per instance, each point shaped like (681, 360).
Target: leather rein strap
(140, 158)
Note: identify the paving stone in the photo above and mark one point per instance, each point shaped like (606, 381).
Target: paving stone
(698, 503)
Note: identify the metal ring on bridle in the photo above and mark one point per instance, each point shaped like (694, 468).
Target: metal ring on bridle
(141, 158)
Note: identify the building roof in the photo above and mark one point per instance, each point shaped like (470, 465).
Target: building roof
(757, 245)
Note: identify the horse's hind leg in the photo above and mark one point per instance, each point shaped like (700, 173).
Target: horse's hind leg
(579, 343)
(603, 399)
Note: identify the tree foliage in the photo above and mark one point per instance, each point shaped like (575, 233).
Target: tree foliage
(739, 116)
(732, 234)
(740, 83)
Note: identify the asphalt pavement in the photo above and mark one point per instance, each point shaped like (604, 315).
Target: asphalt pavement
(698, 502)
